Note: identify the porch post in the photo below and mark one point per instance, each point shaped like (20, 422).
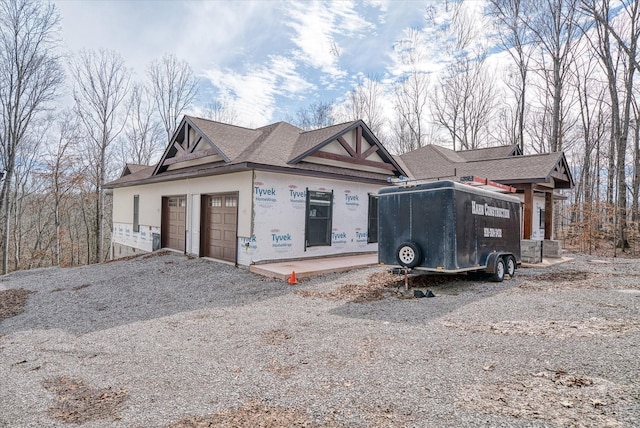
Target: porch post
(548, 215)
(528, 211)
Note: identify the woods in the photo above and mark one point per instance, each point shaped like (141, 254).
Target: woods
(552, 75)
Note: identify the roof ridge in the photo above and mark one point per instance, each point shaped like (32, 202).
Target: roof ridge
(488, 147)
(222, 123)
(265, 132)
(349, 123)
(446, 152)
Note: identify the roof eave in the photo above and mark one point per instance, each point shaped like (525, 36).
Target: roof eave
(354, 125)
(322, 144)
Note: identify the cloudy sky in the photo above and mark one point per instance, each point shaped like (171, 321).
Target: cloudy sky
(268, 58)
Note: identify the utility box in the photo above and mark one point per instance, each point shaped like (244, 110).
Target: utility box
(449, 227)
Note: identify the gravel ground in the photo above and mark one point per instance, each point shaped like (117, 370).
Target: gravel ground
(170, 341)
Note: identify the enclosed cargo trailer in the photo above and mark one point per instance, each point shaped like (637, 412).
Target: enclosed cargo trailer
(449, 227)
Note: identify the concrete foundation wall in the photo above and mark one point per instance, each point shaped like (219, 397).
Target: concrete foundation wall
(531, 250)
(551, 249)
(121, 250)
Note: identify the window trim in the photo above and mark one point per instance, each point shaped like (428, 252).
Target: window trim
(136, 213)
(308, 219)
(370, 239)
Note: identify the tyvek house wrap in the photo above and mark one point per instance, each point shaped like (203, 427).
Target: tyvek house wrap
(279, 214)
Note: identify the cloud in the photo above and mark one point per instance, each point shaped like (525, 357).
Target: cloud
(254, 93)
(201, 32)
(318, 28)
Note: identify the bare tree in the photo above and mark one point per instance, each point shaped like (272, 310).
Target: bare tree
(516, 38)
(63, 171)
(464, 100)
(220, 111)
(465, 103)
(26, 223)
(620, 89)
(142, 132)
(101, 82)
(635, 203)
(556, 33)
(318, 114)
(410, 96)
(364, 102)
(30, 75)
(173, 87)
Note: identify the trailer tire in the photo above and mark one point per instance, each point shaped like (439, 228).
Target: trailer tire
(498, 275)
(409, 255)
(511, 266)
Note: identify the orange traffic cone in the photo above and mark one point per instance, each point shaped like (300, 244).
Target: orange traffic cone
(292, 279)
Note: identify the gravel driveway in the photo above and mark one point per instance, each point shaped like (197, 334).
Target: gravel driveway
(170, 341)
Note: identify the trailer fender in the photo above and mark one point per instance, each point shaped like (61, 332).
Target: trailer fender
(492, 262)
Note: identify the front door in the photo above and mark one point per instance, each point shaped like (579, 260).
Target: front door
(220, 226)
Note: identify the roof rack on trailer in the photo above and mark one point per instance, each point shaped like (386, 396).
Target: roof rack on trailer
(403, 181)
(485, 183)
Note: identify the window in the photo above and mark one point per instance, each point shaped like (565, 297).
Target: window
(136, 213)
(372, 222)
(319, 215)
(230, 202)
(215, 201)
(541, 219)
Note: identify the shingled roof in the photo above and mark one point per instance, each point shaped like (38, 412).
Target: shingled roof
(204, 147)
(503, 164)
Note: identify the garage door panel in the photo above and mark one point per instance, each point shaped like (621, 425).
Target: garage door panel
(229, 235)
(228, 253)
(221, 233)
(174, 211)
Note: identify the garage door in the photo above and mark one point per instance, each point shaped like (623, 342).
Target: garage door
(174, 209)
(220, 224)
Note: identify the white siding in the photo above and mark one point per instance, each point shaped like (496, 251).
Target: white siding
(271, 214)
(151, 207)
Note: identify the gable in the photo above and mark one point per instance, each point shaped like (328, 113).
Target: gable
(561, 174)
(189, 146)
(204, 147)
(354, 147)
(132, 168)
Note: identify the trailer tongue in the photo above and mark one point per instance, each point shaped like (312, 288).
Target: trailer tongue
(448, 227)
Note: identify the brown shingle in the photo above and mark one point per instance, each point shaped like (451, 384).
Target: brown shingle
(489, 153)
(434, 162)
(271, 146)
(230, 139)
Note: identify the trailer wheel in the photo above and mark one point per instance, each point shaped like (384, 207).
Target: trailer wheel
(498, 275)
(511, 266)
(409, 254)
